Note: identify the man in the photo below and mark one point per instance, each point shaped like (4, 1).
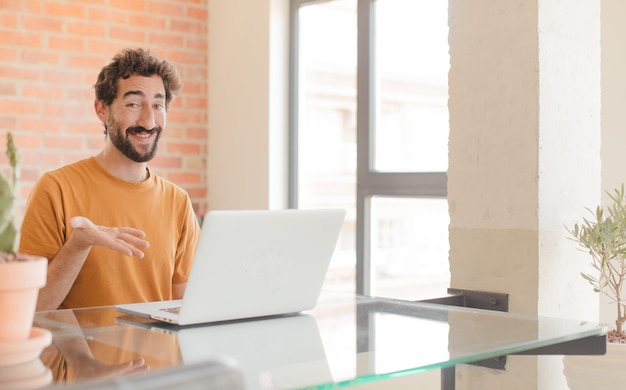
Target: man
(112, 230)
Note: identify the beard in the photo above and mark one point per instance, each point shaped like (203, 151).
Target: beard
(121, 141)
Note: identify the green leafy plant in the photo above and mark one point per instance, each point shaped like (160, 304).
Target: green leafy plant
(604, 238)
(8, 189)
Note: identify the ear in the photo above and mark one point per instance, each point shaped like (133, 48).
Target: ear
(101, 110)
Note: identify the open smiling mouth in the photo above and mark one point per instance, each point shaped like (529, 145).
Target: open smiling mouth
(140, 132)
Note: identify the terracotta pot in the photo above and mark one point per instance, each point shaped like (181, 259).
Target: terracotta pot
(596, 372)
(20, 282)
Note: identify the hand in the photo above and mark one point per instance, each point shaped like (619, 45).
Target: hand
(125, 240)
(89, 368)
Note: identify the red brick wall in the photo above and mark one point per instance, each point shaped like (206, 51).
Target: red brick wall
(50, 54)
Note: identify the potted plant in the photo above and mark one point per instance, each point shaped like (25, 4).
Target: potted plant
(21, 275)
(603, 236)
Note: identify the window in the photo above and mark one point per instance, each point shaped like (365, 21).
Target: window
(369, 133)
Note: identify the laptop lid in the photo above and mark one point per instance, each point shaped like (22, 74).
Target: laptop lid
(254, 263)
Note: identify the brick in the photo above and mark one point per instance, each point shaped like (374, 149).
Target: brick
(134, 5)
(183, 148)
(192, 28)
(62, 109)
(166, 39)
(8, 21)
(19, 73)
(197, 102)
(39, 89)
(146, 21)
(199, 13)
(165, 162)
(110, 16)
(44, 160)
(106, 47)
(19, 107)
(86, 29)
(20, 38)
(7, 88)
(61, 76)
(66, 43)
(60, 142)
(38, 57)
(26, 141)
(64, 9)
(197, 192)
(128, 34)
(85, 61)
(41, 23)
(38, 124)
(197, 43)
(184, 177)
(166, 8)
(8, 122)
(9, 54)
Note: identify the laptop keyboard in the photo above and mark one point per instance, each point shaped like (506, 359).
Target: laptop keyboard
(174, 310)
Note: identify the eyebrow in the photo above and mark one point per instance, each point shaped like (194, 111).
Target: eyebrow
(140, 93)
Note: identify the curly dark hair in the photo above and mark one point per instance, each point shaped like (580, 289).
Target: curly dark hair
(141, 62)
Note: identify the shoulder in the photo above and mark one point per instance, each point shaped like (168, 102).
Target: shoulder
(80, 168)
(169, 188)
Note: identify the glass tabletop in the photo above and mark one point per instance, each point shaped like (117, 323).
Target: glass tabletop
(345, 340)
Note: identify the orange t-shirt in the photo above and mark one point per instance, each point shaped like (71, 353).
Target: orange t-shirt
(158, 207)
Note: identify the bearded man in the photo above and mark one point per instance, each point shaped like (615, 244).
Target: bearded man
(113, 231)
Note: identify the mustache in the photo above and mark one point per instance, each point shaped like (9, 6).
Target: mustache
(141, 129)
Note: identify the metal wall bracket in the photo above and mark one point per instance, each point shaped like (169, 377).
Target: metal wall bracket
(473, 299)
(477, 300)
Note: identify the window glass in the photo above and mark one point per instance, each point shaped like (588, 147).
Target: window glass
(409, 247)
(327, 122)
(411, 65)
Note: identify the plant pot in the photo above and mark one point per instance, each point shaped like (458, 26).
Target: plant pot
(20, 282)
(595, 372)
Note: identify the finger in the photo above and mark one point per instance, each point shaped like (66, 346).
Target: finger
(132, 240)
(122, 247)
(132, 231)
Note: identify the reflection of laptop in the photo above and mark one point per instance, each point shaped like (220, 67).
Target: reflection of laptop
(253, 263)
(273, 352)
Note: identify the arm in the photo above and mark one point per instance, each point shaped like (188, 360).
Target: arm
(67, 263)
(178, 290)
(75, 350)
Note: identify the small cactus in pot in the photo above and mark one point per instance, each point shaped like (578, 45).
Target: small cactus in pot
(21, 275)
(8, 190)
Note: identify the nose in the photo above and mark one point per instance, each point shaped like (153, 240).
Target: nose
(146, 118)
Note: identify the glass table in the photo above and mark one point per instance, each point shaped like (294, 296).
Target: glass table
(346, 340)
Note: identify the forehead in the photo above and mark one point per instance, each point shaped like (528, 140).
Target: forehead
(135, 85)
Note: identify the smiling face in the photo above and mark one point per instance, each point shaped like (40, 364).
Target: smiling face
(135, 119)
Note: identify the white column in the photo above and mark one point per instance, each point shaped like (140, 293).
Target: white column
(524, 161)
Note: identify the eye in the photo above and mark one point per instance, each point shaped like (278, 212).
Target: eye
(133, 106)
(159, 107)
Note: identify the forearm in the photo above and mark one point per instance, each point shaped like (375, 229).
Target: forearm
(63, 270)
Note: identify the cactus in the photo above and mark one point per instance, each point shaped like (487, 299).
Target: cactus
(8, 189)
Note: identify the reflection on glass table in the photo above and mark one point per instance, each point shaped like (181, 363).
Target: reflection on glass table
(344, 341)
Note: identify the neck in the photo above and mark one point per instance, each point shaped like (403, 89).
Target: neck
(122, 167)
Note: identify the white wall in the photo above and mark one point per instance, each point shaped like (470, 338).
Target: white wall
(613, 109)
(248, 79)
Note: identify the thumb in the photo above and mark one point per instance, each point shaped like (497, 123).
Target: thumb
(81, 222)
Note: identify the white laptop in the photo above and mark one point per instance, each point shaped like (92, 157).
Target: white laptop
(253, 263)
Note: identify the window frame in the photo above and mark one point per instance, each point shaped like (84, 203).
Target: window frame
(370, 183)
